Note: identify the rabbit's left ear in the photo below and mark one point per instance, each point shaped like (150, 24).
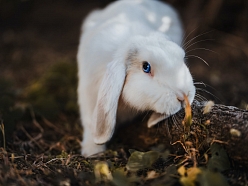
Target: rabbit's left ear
(107, 101)
(155, 118)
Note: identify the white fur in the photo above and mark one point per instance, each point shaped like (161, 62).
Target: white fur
(112, 87)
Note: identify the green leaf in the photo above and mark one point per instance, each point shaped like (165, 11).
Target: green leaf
(102, 172)
(120, 178)
(210, 178)
(161, 149)
(131, 151)
(219, 160)
(140, 160)
(188, 176)
(55, 91)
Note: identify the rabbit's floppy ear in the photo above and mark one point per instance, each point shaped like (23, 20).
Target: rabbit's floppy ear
(107, 101)
(155, 118)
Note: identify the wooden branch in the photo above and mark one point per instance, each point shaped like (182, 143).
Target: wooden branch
(222, 124)
(227, 124)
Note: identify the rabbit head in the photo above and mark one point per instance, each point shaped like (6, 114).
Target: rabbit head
(148, 74)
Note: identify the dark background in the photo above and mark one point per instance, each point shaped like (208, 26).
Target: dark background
(36, 34)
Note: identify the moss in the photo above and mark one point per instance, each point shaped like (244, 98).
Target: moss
(55, 91)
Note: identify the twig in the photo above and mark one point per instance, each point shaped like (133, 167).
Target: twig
(35, 121)
(31, 138)
(3, 133)
(48, 123)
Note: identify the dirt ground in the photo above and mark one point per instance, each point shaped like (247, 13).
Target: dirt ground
(37, 34)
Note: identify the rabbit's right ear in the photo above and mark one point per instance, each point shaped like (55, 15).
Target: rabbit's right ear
(107, 101)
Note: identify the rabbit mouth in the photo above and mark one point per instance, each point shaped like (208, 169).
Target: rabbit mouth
(158, 117)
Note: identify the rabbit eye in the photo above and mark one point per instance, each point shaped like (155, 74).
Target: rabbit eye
(146, 67)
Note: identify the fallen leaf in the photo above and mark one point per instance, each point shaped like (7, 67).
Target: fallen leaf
(210, 178)
(188, 176)
(120, 178)
(102, 171)
(151, 175)
(219, 159)
(140, 160)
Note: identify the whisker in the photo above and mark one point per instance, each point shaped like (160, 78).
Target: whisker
(201, 98)
(173, 119)
(200, 83)
(209, 86)
(189, 35)
(174, 122)
(198, 58)
(167, 128)
(205, 85)
(188, 42)
(145, 115)
(177, 122)
(203, 90)
(201, 49)
(198, 99)
(186, 47)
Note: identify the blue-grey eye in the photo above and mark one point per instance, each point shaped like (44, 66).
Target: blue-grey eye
(146, 67)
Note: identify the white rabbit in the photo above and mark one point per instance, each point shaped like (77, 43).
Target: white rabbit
(129, 61)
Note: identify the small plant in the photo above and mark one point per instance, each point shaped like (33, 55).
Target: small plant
(3, 133)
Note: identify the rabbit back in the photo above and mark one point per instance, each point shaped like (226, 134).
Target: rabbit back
(154, 14)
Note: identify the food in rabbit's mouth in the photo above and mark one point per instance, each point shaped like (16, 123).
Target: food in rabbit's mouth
(188, 114)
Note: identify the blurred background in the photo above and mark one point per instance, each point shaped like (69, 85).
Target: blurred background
(35, 35)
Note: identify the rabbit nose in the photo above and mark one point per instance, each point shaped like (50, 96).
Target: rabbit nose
(181, 100)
